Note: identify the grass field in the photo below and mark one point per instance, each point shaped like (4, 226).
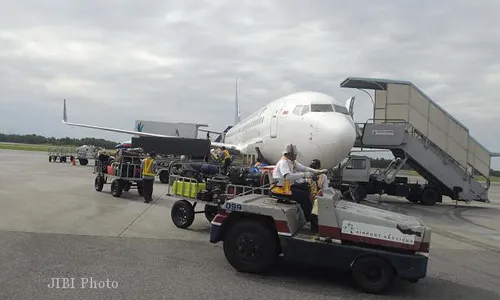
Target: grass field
(31, 147)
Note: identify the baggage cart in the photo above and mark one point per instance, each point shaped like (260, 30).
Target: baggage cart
(212, 193)
(123, 172)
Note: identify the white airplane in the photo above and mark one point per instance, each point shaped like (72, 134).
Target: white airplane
(316, 123)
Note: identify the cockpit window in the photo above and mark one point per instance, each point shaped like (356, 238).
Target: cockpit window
(297, 110)
(341, 109)
(305, 109)
(321, 108)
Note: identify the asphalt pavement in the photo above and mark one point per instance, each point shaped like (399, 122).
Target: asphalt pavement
(53, 224)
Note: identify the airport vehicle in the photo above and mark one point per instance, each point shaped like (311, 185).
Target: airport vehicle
(85, 152)
(192, 186)
(355, 180)
(319, 125)
(82, 153)
(371, 244)
(419, 132)
(123, 171)
(64, 154)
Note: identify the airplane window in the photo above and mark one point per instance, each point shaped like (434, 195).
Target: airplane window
(305, 109)
(341, 109)
(321, 108)
(297, 110)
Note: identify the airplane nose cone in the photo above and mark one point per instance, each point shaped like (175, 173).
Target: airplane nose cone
(336, 137)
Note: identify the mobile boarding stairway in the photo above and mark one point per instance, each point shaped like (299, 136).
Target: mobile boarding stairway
(412, 126)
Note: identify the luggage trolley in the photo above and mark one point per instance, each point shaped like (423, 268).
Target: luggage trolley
(213, 193)
(124, 174)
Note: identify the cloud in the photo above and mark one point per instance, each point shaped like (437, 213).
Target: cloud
(118, 61)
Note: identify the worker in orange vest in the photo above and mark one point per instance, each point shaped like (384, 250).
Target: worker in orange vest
(148, 169)
(291, 179)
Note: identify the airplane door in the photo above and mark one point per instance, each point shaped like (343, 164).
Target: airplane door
(274, 121)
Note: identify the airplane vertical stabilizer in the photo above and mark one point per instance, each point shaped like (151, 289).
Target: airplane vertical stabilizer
(237, 103)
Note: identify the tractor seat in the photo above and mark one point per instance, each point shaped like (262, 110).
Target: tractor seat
(281, 198)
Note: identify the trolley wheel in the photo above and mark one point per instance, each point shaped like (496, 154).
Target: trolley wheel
(83, 161)
(50, 158)
(99, 183)
(210, 212)
(127, 186)
(164, 176)
(182, 214)
(116, 189)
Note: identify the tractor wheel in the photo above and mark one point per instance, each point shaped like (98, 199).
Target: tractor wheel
(373, 274)
(251, 247)
(182, 214)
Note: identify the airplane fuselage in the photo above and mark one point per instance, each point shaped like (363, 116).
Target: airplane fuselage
(316, 123)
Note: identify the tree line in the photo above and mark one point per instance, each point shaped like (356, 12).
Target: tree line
(35, 139)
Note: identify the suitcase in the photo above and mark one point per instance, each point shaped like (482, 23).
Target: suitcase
(187, 189)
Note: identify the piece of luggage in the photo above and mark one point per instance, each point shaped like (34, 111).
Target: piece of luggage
(187, 189)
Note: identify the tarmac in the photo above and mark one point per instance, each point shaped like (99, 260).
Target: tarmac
(53, 224)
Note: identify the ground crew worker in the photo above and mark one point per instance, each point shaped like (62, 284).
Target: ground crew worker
(321, 184)
(148, 169)
(290, 176)
(317, 188)
(226, 159)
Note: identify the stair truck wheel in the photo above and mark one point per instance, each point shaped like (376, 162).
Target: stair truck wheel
(182, 214)
(210, 212)
(250, 247)
(163, 176)
(116, 188)
(372, 274)
(429, 196)
(98, 183)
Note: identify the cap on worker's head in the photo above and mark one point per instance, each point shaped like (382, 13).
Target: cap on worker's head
(315, 164)
(152, 154)
(290, 148)
(223, 148)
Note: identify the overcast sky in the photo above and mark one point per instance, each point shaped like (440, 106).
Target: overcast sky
(117, 61)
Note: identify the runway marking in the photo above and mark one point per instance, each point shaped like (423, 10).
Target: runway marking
(137, 218)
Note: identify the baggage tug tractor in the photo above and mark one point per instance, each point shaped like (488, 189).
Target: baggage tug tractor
(374, 245)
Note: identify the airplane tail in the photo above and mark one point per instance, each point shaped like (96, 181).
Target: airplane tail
(237, 103)
(65, 114)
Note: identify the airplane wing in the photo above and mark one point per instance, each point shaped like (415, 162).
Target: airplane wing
(65, 121)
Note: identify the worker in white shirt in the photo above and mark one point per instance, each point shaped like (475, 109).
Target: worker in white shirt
(290, 176)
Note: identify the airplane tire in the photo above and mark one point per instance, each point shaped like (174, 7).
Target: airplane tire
(373, 274)
(250, 247)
